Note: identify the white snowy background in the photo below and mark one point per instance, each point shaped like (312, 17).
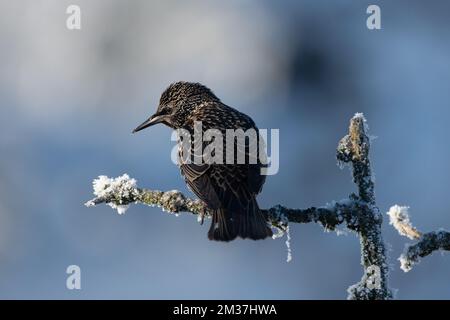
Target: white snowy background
(69, 100)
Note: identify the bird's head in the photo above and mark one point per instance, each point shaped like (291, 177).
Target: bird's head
(177, 102)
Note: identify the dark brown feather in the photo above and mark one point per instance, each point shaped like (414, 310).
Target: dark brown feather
(228, 190)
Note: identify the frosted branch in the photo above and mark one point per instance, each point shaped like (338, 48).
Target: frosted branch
(399, 218)
(354, 149)
(121, 195)
(358, 213)
(429, 242)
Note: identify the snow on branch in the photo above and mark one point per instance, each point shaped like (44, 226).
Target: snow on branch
(122, 191)
(427, 244)
(358, 213)
(399, 218)
(354, 149)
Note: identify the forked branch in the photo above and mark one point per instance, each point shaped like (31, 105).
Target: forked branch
(358, 213)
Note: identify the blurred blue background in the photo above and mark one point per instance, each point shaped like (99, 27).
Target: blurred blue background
(69, 100)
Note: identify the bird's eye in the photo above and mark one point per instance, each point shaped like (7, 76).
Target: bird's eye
(165, 110)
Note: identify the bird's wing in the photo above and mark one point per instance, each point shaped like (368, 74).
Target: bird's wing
(221, 185)
(224, 185)
(198, 180)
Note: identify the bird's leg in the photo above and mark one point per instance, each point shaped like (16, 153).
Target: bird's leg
(202, 215)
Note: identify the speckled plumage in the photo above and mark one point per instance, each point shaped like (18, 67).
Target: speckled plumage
(228, 190)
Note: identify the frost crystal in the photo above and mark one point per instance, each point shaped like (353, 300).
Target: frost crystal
(405, 263)
(399, 218)
(360, 115)
(282, 229)
(122, 188)
(288, 245)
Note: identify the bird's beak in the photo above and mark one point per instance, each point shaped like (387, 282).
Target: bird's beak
(154, 119)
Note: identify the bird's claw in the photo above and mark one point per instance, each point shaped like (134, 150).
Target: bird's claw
(202, 216)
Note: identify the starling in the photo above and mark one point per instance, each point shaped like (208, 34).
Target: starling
(228, 190)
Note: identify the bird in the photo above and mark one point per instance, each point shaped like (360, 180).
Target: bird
(228, 190)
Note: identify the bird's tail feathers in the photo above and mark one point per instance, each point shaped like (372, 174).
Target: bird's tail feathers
(222, 228)
(238, 221)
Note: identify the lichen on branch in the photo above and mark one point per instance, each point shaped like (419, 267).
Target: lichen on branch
(122, 191)
(354, 149)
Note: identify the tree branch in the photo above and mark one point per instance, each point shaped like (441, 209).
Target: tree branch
(399, 218)
(359, 212)
(429, 242)
(354, 148)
